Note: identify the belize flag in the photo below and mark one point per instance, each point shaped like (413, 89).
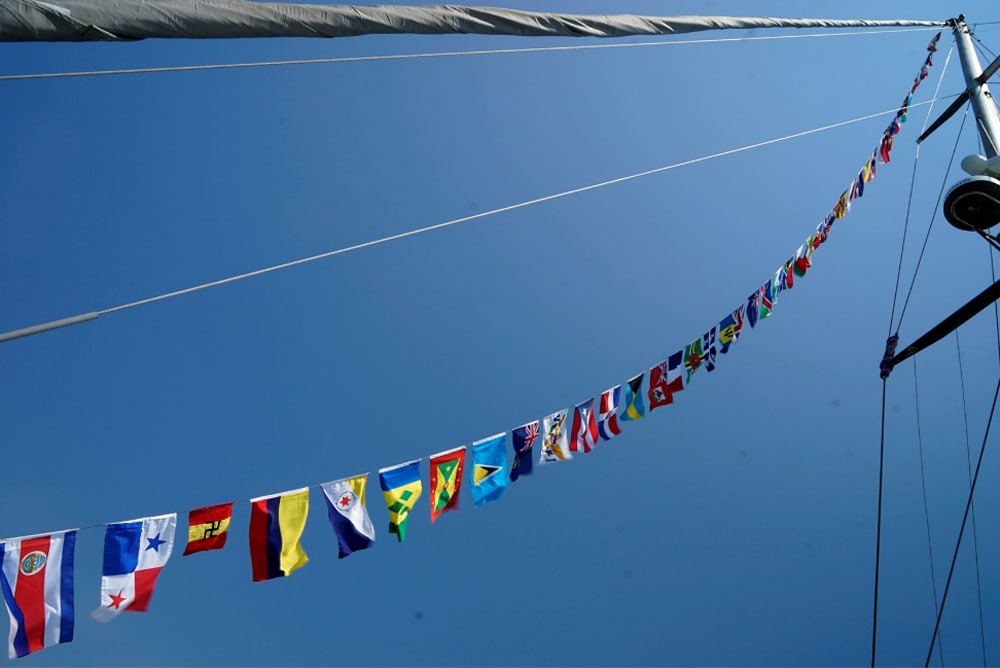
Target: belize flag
(37, 583)
(134, 554)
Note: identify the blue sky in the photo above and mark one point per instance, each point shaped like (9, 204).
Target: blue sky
(734, 527)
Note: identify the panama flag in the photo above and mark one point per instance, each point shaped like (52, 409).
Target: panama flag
(489, 469)
(37, 584)
(607, 425)
(134, 554)
(584, 427)
(524, 438)
(555, 445)
(345, 506)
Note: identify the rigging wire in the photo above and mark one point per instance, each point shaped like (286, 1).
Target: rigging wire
(437, 54)
(923, 488)
(878, 522)
(961, 531)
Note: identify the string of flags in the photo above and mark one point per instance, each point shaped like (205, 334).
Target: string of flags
(36, 572)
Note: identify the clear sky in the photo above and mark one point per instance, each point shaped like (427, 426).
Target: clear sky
(735, 527)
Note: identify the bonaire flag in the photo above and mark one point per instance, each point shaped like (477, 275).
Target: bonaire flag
(345, 506)
(446, 480)
(37, 583)
(134, 554)
(489, 469)
(584, 430)
(555, 443)
(276, 525)
(401, 488)
(634, 410)
(208, 527)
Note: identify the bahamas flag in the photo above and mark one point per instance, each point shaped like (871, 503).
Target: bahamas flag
(345, 506)
(276, 525)
(446, 480)
(401, 487)
(634, 410)
(489, 469)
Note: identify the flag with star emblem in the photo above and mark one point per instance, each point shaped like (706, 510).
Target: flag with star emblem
(446, 480)
(524, 438)
(607, 423)
(401, 488)
(730, 328)
(489, 469)
(634, 410)
(555, 444)
(694, 356)
(134, 554)
(583, 435)
(208, 527)
(36, 575)
(276, 525)
(345, 506)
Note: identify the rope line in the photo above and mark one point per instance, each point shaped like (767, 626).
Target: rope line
(923, 489)
(961, 531)
(436, 54)
(484, 214)
(878, 523)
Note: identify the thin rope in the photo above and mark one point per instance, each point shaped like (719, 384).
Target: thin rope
(961, 531)
(878, 522)
(465, 219)
(968, 461)
(930, 226)
(923, 488)
(437, 54)
(909, 198)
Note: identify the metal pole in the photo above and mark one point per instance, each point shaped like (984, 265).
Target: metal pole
(47, 326)
(987, 117)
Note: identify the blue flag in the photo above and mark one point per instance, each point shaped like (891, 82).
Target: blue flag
(489, 469)
(524, 440)
(634, 410)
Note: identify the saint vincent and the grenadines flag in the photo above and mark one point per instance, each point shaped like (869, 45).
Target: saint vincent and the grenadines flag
(345, 506)
(208, 528)
(489, 469)
(36, 576)
(401, 488)
(446, 480)
(276, 525)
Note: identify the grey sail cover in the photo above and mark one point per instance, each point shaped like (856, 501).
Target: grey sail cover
(114, 20)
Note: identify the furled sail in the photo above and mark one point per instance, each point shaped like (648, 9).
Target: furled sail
(113, 20)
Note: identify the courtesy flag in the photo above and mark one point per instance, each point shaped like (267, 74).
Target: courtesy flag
(607, 424)
(345, 506)
(524, 438)
(489, 469)
(693, 357)
(446, 480)
(401, 488)
(708, 349)
(662, 384)
(766, 299)
(634, 409)
(730, 328)
(584, 430)
(208, 528)
(37, 584)
(753, 308)
(555, 444)
(134, 554)
(276, 525)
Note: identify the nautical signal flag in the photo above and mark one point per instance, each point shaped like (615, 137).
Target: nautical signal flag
(401, 488)
(345, 506)
(607, 423)
(489, 469)
(555, 442)
(208, 527)
(634, 410)
(134, 554)
(584, 430)
(524, 438)
(276, 525)
(37, 583)
(446, 480)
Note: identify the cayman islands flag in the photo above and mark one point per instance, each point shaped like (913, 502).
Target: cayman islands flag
(524, 438)
(401, 488)
(584, 430)
(489, 469)
(134, 554)
(37, 583)
(446, 480)
(555, 443)
(607, 423)
(276, 525)
(634, 409)
(208, 528)
(345, 506)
